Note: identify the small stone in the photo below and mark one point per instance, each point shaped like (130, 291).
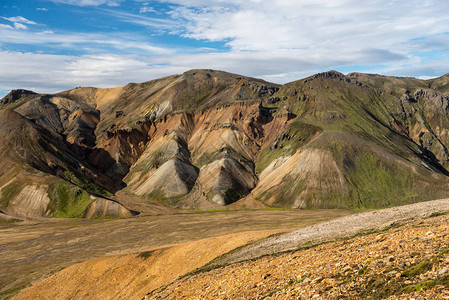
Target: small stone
(317, 280)
(430, 233)
(348, 268)
(442, 271)
(392, 273)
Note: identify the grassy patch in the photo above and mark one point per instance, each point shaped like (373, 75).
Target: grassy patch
(425, 285)
(74, 177)
(68, 201)
(418, 269)
(267, 156)
(378, 183)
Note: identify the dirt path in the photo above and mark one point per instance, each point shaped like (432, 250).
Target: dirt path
(32, 252)
(343, 227)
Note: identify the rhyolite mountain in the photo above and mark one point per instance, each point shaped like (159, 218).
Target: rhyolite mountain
(208, 139)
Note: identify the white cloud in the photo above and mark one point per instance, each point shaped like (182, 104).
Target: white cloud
(151, 22)
(42, 9)
(18, 23)
(47, 73)
(146, 9)
(291, 37)
(96, 42)
(425, 77)
(423, 70)
(20, 19)
(113, 3)
(90, 2)
(5, 26)
(313, 26)
(45, 32)
(20, 26)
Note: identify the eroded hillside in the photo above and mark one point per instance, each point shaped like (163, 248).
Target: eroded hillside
(208, 139)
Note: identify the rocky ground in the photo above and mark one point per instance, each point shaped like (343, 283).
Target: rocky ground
(339, 228)
(403, 262)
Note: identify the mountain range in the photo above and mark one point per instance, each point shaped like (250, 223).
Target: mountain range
(209, 139)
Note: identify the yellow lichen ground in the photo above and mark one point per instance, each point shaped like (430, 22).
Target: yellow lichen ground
(407, 262)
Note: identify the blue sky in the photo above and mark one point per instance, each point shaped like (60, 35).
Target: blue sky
(53, 45)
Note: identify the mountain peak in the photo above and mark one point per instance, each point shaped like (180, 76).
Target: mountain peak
(15, 95)
(329, 74)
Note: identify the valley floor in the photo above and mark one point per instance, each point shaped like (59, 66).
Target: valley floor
(31, 252)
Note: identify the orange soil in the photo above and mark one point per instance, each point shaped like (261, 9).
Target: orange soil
(132, 276)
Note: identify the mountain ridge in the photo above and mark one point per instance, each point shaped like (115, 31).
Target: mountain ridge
(328, 140)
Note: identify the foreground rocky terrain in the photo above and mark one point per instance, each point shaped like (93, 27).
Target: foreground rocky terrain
(208, 139)
(401, 262)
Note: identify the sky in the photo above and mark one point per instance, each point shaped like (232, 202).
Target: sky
(52, 45)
